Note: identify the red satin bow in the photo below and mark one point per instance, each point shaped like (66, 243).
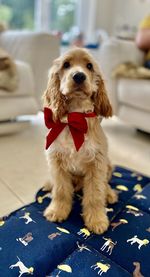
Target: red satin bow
(76, 122)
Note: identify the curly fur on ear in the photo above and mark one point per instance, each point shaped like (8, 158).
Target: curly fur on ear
(102, 105)
(53, 97)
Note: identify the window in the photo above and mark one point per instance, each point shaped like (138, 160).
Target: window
(17, 14)
(46, 15)
(62, 14)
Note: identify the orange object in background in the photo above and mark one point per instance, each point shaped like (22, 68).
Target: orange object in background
(143, 35)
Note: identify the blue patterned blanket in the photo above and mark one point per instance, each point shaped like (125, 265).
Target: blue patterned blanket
(30, 245)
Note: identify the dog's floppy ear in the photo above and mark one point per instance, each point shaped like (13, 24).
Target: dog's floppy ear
(53, 98)
(102, 105)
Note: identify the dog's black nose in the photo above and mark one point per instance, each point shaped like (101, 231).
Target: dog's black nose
(79, 77)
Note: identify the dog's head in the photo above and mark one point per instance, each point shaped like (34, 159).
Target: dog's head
(76, 74)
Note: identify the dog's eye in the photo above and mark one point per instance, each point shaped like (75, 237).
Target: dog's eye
(90, 66)
(66, 65)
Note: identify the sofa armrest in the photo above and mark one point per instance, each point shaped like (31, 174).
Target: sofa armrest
(36, 49)
(22, 101)
(25, 85)
(112, 53)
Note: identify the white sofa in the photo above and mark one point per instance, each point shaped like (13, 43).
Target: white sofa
(33, 54)
(130, 97)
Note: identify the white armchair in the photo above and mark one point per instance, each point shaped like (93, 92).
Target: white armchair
(33, 54)
(130, 97)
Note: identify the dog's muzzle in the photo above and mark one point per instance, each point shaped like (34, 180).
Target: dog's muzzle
(79, 77)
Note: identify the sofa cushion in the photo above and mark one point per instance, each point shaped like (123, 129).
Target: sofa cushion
(135, 93)
(25, 83)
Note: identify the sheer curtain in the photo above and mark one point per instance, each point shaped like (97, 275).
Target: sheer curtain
(42, 15)
(86, 18)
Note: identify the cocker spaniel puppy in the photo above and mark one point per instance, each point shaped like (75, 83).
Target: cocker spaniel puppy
(78, 158)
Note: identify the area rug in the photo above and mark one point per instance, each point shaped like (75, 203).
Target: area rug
(30, 245)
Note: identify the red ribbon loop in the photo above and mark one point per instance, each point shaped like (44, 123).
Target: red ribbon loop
(76, 122)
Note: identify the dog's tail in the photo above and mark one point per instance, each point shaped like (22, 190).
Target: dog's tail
(47, 186)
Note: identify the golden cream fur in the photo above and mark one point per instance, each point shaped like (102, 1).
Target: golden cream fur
(88, 168)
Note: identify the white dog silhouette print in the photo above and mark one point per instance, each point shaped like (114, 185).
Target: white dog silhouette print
(28, 218)
(22, 268)
(140, 242)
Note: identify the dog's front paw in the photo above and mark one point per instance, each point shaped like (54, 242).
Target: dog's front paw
(56, 213)
(96, 222)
